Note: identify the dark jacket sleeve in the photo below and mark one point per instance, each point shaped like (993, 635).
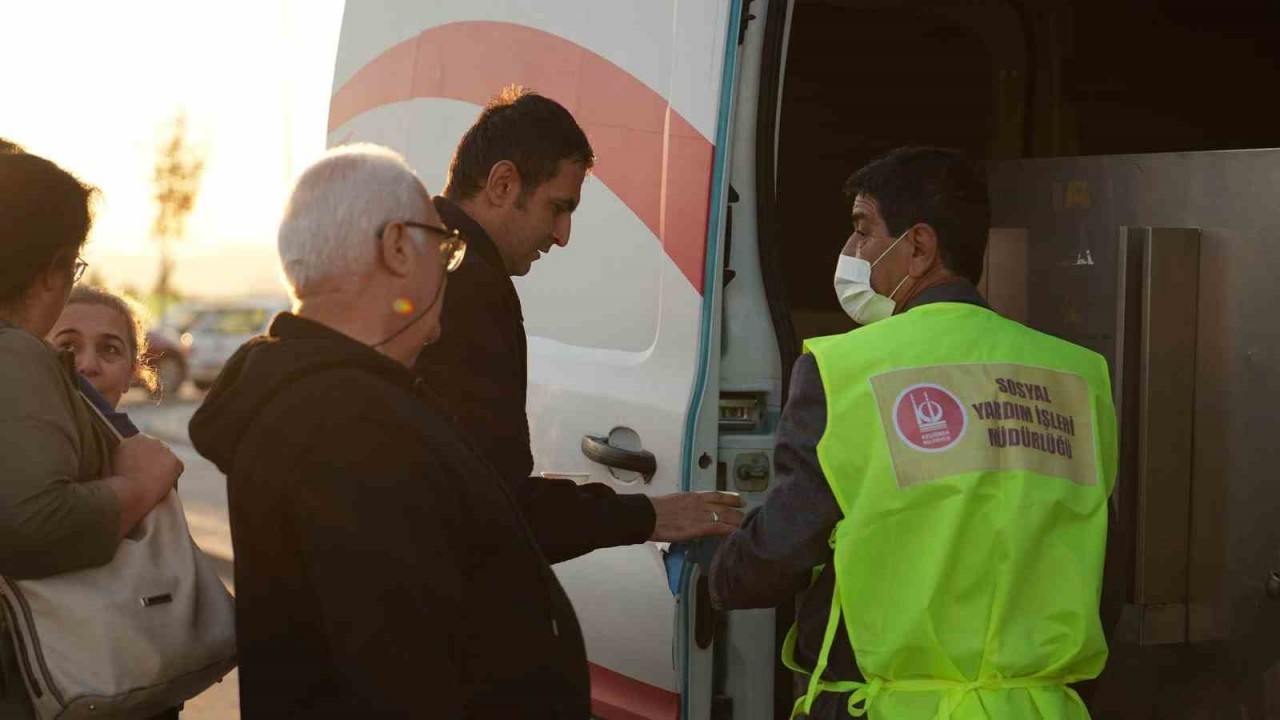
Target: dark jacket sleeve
(772, 556)
(570, 520)
(50, 521)
(379, 539)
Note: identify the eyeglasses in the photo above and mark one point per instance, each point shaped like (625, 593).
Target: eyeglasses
(78, 269)
(453, 244)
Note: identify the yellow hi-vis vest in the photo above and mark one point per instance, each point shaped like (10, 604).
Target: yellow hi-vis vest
(973, 459)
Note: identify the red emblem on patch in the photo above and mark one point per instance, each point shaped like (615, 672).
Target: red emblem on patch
(929, 418)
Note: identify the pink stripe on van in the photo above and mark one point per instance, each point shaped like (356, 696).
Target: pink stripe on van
(617, 697)
(647, 154)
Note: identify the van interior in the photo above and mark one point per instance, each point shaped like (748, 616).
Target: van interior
(998, 79)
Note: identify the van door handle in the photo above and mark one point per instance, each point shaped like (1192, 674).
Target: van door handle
(599, 450)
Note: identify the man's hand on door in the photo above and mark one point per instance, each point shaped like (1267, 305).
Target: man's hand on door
(687, 516)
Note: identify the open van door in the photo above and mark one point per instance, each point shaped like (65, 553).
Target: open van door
(620, 325)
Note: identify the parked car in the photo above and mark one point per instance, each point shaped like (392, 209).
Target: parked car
(217, 331)
(167, 355)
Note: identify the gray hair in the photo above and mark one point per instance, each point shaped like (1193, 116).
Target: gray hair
(337, 206)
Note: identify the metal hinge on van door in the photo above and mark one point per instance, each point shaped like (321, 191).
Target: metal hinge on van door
(747, 17)
(742, 411)
(729, 273)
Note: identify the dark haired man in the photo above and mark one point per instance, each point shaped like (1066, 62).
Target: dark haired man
(515, 180)
(948, 469)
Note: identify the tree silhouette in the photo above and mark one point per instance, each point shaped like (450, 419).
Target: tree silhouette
(175, 178)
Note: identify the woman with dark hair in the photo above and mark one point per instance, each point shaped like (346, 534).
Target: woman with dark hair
(68, 490)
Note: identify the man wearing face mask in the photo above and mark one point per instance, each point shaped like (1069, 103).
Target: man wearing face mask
(944, 476)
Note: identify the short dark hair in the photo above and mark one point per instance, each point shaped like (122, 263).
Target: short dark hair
(533, 132)
(931, 185)
(8, 146)
(45, 215)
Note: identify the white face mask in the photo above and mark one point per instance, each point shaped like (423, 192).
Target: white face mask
(853, 288)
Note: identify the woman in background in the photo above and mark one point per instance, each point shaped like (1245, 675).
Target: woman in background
(108, 334)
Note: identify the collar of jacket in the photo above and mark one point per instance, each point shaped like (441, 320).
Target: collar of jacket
(483, 265)
(479, 244)
(287, 326)
(955, 291)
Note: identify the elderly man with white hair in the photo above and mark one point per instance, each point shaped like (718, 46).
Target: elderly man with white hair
(382, 568)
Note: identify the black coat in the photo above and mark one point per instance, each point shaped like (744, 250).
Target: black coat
(479, 368)
(382, 567)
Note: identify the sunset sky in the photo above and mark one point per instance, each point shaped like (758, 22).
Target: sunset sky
(91, 85)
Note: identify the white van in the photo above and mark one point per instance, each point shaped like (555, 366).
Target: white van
(708, 233)
(622, 325)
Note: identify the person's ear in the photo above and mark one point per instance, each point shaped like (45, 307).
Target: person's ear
(503, 186)
(924, 250)
(55, 276)
(394, 250)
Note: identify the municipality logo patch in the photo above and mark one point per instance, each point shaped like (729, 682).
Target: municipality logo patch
(929, 418)
(944, 421)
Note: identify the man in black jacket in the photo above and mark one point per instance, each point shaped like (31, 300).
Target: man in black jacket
(383, 569)
(515, 180)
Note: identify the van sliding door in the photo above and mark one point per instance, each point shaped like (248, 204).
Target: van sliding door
(621, 323)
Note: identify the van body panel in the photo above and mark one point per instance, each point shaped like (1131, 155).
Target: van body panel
(619, 327)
